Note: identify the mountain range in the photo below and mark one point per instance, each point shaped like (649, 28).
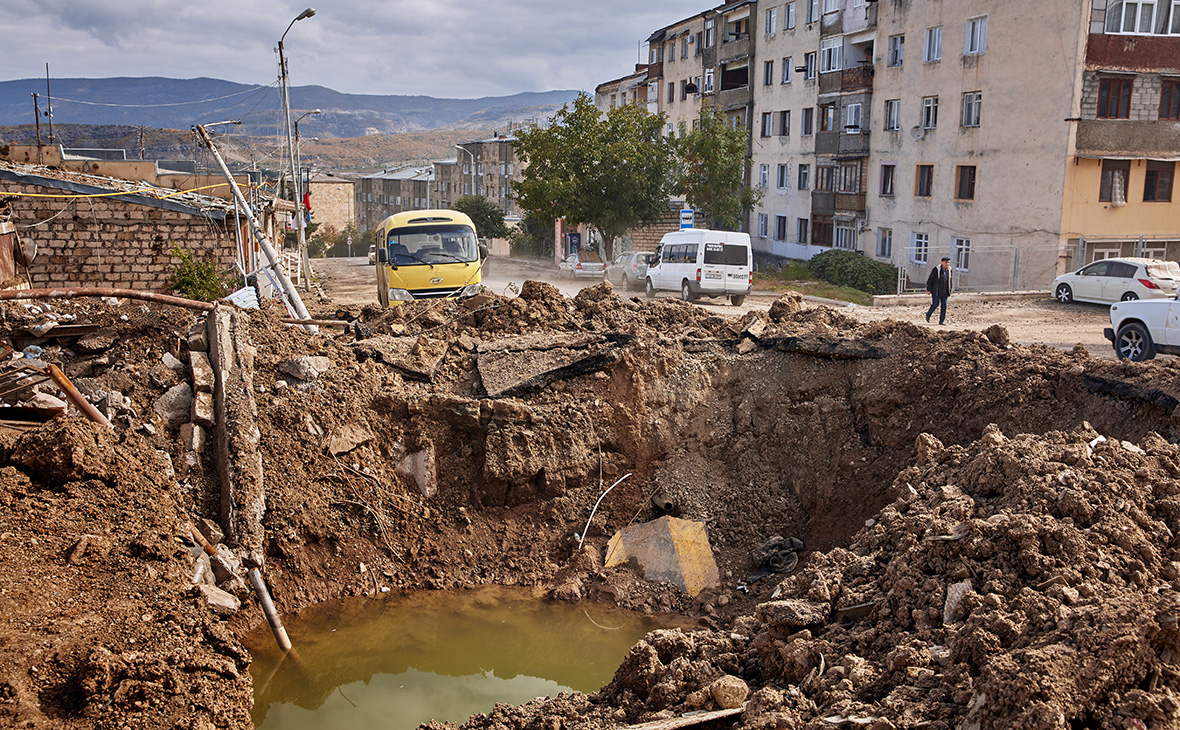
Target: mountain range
(180, 103)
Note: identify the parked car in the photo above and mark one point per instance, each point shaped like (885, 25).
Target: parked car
(628, 270)
(372, 254)
(576, 265)
(1141, 329)
(702, 263)
(1119, 280)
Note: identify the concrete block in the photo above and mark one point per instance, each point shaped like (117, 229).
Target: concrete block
(198, 336)
(219, 601)
(202, 410)
(305, 368)
(202, 371)
(175, 405)
(420, 467)
(194, 438)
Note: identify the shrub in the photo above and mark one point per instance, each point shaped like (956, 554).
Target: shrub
(196, 280)
(848, 268)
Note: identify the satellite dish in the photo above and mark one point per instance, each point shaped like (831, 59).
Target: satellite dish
(917, 132)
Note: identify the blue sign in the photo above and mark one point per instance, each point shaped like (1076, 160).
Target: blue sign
(686, 218)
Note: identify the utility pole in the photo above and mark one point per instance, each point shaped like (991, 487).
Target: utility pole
(142, 151)
(48, 104)
(37, 120)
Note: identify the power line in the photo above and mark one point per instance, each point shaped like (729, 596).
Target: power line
(177, 103)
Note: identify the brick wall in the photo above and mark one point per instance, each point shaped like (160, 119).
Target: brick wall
(646, 239)
(332, 202)
(108, 242)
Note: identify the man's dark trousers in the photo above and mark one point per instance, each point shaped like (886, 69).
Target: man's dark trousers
(938, 300)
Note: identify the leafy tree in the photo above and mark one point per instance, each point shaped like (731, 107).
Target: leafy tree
(712, 175)
(612, 174)
(488, 219)
(532, 238)
(196, 280)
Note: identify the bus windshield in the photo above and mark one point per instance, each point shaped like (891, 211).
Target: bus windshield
(447, 243)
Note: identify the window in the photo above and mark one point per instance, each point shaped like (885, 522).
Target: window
(892, 115)
(709, 33)
(823, 178)
(849, 178)
(1114, 98)
(804, 177)
(933, 49)
(896, 50)
(671, 91)
(976, 38)
(764, 176)
(827, 118)
(767, 123)
(812, 11)
(972, 104)
(961, 253)
(671, 131)
(888, 178)
(1170, 99)
(821, 229)
(924, 181)
(1157, 185)
(783, 171)
(831, 54)
(831, 6)
(683, 89)
(789, 16)
(884, 243)
(763, 225)
(808, 121)
(921, 246)
(787, 70)
(684, 47)
(845, 237)
(852, 119)
(770, 18)
(1139, 16)
(1113, 187)
(965, 182)
(809, 63)
(784, 123)
(708, 81)
(780, 227)
(768, 73)
(802, 232)
(930, 112)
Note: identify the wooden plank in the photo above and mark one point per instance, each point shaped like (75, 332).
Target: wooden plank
(674, 723)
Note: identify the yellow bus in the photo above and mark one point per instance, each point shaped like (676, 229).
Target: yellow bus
(427, 254)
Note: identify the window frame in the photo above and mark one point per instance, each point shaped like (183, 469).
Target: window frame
(804, 176)
(789, 16)
(763, 225)
(849, 126)
(1170, 95)
(887, 180)
(960, 253)
(831, 55)
(1163, 183)
(975, 36)
(807, 125)
(771, 18)
(924, 180)
(920, 243)
(802, 230)
(780, 227)
(965, 181)
(1107, 170)
(786, 77)
(895, 51)
(884, 243)
(784, 123)
(810, 63)
(972, 109)
(813, 11)
(764, 176)
(1108, 86)
(767, 123)
(892, 121)
(768, 73)
(930, 112)
(932, 46)
(827, 117)
(783, 176)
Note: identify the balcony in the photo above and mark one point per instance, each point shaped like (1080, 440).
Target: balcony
(857, 79)
(850, 202)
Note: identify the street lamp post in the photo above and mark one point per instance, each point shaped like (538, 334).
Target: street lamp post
(286, 94)
(472, 156)
(299, 157)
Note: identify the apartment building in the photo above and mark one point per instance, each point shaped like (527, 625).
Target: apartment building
(1021, 141)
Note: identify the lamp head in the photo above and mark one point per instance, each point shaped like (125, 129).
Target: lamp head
(305, 14)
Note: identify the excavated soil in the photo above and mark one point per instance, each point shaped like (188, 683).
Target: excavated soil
(989, 528)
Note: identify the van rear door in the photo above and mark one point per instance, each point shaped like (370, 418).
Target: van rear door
(726, 267)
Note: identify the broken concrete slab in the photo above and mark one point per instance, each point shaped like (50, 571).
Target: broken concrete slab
(46, 401)
(416, 359)
(521, 365)
(194, 438)
(668, 549)
(202, 371)
(175, 405)
(97, 341)
(347, 438)
(221, 602)
(420, 466)
(828, 347)
(202, 410)
(306, 369)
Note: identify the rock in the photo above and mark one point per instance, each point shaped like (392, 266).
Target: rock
(171, 362)
(306, 368)
(221, 602)
(163, 376)
(211, 530)
(193, 438)
(174, 406)
(202, 410)
(729, 691)
(755, 328)
(420, 467)
(746, 346)
(198, 338)
(570, 591)
(44, 400)
(793, 614)
(954, 596)
(927, 446)
(347, 438)
(96, 341)
(202, 371)
(786, 305)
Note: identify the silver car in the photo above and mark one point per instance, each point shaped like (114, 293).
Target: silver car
(628, 270)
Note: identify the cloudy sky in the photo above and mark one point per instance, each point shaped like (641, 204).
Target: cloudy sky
(441, 48)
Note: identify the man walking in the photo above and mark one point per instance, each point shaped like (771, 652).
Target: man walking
(939, 286)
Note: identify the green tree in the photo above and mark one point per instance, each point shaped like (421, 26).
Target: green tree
(610, 173)
(488, 219)
(712, 175)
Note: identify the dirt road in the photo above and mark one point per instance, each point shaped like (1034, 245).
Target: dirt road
(1028, 321)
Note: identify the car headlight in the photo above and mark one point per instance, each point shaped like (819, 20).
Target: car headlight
(471, 290)
(400, 295)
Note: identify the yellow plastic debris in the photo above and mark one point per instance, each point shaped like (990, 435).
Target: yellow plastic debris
(668, 549)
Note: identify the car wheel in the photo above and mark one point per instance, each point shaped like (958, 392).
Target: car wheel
(649, 290)
(737, 299)
(1064, 293)
(686, 292)
(1130, 296)
(1133, 342)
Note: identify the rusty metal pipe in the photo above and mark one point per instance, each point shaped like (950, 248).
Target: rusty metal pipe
(85, 291)
(60, 380)
(268, 608)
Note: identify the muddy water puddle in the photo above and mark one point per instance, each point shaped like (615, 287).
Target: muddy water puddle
(400, 661)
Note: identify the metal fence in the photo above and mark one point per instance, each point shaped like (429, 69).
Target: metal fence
(984, 268)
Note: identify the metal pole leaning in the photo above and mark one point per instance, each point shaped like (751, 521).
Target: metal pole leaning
(271, 255)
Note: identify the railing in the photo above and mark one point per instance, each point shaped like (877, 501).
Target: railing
(854, 79)
(850, 202)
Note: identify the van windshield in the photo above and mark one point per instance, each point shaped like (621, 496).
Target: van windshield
(727, 254)
(439, 244)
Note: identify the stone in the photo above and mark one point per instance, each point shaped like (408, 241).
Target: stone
(44, 400)
(347, 438)
(785, 306)
(211, 530)
(198, 338)
(420, 467)
(222, 603)
(793, 614)
(97, 341)
(202, 371)
(173, 363)
(193, 438)
(202, 410)
(174, 406)
(729, 691)
(306, 368)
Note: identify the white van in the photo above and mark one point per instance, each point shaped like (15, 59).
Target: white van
(697, 262)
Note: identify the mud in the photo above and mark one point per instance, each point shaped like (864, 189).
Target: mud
(914, 466)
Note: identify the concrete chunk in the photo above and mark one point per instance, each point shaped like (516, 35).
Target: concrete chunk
(420, 467)
(194, 438)
(793, 614)
(175, 404)
(202, 371)
(202, 410)
(306, 368)
(221, 602)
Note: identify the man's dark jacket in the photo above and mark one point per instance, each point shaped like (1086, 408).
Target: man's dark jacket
(939, 285)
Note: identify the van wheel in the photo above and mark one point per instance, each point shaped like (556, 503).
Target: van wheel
(649, 290)
(737, 299)
(686, 292)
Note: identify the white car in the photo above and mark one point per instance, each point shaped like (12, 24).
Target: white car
(1141, 329)
(1119, 280)
(372, 254)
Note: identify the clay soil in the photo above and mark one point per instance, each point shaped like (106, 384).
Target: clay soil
(990, 528)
